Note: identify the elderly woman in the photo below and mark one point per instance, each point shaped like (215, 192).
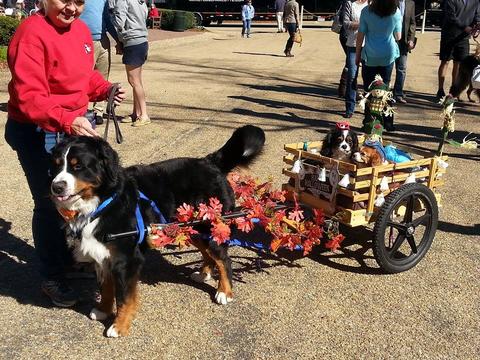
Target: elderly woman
(51, 61)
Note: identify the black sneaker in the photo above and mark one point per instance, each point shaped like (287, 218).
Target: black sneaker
(60, 293)
(440, 95)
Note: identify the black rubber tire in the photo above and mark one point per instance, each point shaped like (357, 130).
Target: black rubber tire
(198, 19)
(393, 258)
(206, 22)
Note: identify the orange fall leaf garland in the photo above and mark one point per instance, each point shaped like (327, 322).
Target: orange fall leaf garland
(257, 201)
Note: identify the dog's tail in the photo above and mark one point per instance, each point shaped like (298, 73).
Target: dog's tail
(245, 144)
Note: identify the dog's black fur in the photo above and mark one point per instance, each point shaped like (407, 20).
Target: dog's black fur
(94, 169)
(338, 146)
(464, 77)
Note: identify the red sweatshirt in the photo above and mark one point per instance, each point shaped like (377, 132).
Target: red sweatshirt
(52, 74)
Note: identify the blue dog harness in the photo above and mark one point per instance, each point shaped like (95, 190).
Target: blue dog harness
(138, 214)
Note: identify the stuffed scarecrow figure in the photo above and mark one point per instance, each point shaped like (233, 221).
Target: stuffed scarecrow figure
(377, 104)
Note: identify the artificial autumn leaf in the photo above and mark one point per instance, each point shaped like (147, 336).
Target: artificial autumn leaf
(334, 243)
(220, 232)
(185, 213)
(296, 215)
(243, 224)
(318, 216)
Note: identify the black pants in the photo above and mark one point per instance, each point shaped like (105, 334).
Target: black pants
(292, 28)
(48, 236)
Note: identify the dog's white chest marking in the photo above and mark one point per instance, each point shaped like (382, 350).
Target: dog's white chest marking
(87, 247)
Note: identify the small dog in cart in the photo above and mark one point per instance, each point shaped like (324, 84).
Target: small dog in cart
(340, 143)
(97, 196)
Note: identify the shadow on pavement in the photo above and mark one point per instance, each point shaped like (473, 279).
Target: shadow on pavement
(252, 53)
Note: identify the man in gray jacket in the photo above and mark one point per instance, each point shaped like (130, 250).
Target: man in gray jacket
(130, 20)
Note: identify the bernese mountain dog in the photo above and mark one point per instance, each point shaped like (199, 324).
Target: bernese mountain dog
(340, 142)
(97, 196)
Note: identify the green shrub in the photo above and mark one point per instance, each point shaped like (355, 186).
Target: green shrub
(7, 29)
(3, 53)
(168, 15)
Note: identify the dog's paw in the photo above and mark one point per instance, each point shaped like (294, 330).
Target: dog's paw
(98, 315)
(222, 298)
(200, 277)
(112, 332)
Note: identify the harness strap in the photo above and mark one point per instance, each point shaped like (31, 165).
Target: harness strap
(111, 114)
(102, 207)
(138, 214)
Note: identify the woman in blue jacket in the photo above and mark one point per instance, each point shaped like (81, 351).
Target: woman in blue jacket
(248, 12)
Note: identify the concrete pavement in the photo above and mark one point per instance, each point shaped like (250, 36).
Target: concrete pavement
(325, 306)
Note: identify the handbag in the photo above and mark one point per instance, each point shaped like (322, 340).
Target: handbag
(337, 21)
(297, 37)
(476, 77)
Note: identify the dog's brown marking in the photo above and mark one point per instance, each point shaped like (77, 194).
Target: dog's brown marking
(126, 311)
(208, 262)
(58, 161)
(86, 189)
(107, 292)
(73, 161)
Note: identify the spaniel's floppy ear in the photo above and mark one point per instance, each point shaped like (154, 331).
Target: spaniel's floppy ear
(355, 146)
(327, 145)
(109, 159)
(375, 158)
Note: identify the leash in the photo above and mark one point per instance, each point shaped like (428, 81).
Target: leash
(111, 114)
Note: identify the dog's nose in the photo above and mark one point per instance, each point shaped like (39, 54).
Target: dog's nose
(344, 146)
(58, 187)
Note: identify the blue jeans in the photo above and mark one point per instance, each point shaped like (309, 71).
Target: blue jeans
(246, 26)
(351, 87)
(369, 72)
(48, 236)
(401, 74)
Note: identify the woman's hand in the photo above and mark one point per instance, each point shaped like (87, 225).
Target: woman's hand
(81, 126)
(358, 59)
(119, 96)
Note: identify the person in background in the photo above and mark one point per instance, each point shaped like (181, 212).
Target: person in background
(290, 18)
(50, 58)
(342, 37)
(459, 16)
(248, 12)
(152, 13)
(351, 23)
(380, 27)
(97, 18)
(405, 44)
(279, 6)
(130, 21)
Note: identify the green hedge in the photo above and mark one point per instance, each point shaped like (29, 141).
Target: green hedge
(7, 29)
(3, 53)
(168, 15)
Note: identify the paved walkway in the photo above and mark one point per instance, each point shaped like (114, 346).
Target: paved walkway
(325, 306)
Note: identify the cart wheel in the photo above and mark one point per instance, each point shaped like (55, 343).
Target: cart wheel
(405, 227)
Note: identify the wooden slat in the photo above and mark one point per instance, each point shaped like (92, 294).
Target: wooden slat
(372, 191)
(391, 178)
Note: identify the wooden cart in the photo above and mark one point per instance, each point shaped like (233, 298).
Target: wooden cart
(406, 222)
